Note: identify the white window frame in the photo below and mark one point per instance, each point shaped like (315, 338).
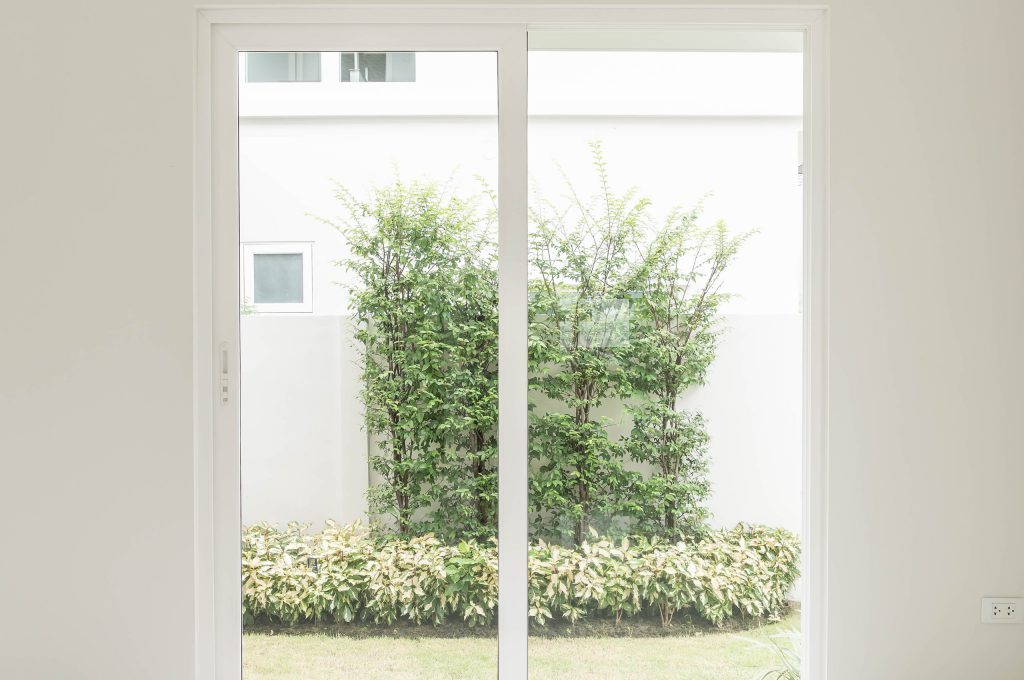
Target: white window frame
(250, 249)
(224, 32)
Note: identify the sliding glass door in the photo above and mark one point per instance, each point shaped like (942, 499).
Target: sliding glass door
(509, 349)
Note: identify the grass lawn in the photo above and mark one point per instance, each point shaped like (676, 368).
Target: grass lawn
(713, 656)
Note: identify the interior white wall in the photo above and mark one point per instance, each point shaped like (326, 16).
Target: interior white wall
(95, 369)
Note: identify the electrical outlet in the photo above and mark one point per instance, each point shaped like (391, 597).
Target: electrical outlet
(1002, 610)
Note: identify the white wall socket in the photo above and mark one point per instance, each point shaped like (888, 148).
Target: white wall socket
(1002, 610)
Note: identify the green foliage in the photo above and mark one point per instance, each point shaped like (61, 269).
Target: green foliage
(345, 574)
(580, 257)
(673, 341)
(670, 501)
(466, 488)
(621, 309)
(425, 303)
(281, 580)
(678, 282)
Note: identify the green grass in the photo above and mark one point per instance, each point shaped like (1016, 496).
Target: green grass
(711, 656)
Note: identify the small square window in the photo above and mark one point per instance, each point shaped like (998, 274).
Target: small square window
(282, 67)
(378, 67)
(277, 277)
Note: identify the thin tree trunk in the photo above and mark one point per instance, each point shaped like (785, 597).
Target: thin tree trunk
(482, 514)
(582, 416)
(399, 481)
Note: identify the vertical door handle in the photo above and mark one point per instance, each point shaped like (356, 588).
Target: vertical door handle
(225, 373)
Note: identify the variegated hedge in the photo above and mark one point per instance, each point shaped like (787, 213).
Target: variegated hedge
(346, 574)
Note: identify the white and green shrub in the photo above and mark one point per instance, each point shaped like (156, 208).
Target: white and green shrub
(344, 574)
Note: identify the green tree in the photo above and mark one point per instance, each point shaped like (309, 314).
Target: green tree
(619, 310)
(466, 489)
(406, 249)
(581, 261)
(674, 339)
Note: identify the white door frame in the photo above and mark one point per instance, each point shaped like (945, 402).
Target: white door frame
(223, 32)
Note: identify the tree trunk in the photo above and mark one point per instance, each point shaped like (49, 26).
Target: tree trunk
(669, 404)
(582, 485)
(482, 514)
(399, 481)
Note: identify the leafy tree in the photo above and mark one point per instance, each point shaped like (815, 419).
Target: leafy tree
(407, 246)
(466, 489)
(619, 310)
(578, 337)
(670, 501)
(674, 339)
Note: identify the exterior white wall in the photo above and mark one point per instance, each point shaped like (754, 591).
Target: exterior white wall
(753, 409)
(304, 454)
(96, 418)
(304, 457)
(290, 169)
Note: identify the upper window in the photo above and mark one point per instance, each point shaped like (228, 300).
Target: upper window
(378, 67)
(282, 67)
(278, 277)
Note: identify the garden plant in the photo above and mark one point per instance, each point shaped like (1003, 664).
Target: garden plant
(346, 574)
(623, 311)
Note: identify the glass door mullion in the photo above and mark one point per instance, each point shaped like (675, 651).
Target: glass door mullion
(512, 359)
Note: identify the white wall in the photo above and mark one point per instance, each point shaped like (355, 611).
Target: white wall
(752, 404)
(721, 128)
(743, 168)
(304, 449)
(95, 367)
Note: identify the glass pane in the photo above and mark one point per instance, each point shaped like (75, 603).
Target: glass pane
(369, 425)
(373, 66)
(282, 67)
(401, 67)
(665, 363)
(307, 66)
(277, 277)
(378, 67)
(348, 65)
